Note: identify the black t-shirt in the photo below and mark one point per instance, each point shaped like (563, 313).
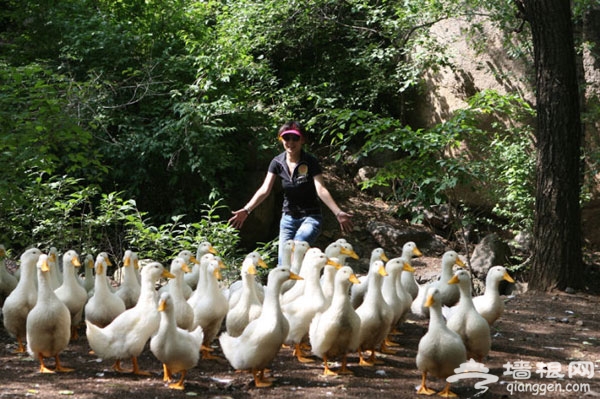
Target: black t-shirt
(299, 193)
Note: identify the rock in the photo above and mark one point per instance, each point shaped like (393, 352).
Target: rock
(489, 252)
(391, 239)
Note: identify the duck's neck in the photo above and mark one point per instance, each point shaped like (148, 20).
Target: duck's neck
(176, 285)
(129, 276)
(271, 304)
(147, 291)
(492, 288)
(69, 274)
(436, 319)
(313, 284)
(447, 271)
(389, 281)
(249, 287)
(340, 295)
(44, 289)
(466, 299)
(28, 275)
(101, 283)
(374, 287)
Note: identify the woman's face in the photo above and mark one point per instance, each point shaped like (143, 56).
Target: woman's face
(292, 143)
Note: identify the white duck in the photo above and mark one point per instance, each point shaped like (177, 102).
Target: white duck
(297, 257)
(191, 278)
(338, 251)
(407, 278)
(287, 251)
(71, 293)
(55, 272)
(467, 322)
(178, 349)
(375, 315)
(87, 281)
(334, 333)
(184, 314)
(126, 336)
(129, 290)
(302, 309)
(234, 291)
(399, 301)
(261, 340)
(8, 282)
(358, 291)
(449, 293)
(189, 259)
(22, 299)
(440, 350)
(209, 304)
(249, 304)
(104, 305)
(48, 322)
(490, 305)
(298, 288)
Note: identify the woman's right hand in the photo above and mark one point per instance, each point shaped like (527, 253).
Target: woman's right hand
(238, 218)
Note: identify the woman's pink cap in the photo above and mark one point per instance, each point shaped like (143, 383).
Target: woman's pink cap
(291, 131)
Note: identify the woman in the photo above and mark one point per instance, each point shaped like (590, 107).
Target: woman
(303, 191)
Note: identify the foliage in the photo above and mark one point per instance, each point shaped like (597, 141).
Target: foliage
(497, 162)
(67, 214)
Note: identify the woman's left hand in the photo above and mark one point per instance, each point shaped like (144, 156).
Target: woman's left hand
(345, 221)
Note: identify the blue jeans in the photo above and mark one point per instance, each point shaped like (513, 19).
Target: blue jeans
(305, 228)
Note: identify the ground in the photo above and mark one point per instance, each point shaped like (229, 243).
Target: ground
(540, 328)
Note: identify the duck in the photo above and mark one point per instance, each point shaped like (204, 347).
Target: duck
(184, 314)
(328, 280)
(357, 291)
(48, 325)
(345, 251)
(263, 337)
(22, 299)
(375, 315)
(297, 257)
(191, 278)
(287, 251)
(399, 301)
(71, 293)
(177, 348)
(338, 251)
(472, 327)
(8, 282)
(248, 306)
(303, 308)
(129, 290)
(334, 332)
(104, 305)
(449, 293)
(234, 291)
(55, 273)
(87, 281)
(440, 350)
(189, 258)
(490, 305)
(126, 336)
(298, 287)
(407, 278)
(210, 305)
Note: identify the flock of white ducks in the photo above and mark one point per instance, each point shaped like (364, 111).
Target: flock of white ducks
(313, 302)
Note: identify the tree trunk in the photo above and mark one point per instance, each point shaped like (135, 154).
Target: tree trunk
(557, 258)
